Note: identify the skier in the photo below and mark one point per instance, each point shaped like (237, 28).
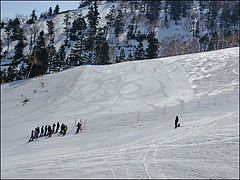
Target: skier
(50, 131)
(65, 130)
(35, 131)
(38, 131)
(62, 128)
(32, 136)
(42, 131)
(176, 122)
(53, 131)
(45, 130)
(78, 127)
(58, 125)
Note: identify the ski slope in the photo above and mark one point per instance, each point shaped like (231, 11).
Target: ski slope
(130, 109)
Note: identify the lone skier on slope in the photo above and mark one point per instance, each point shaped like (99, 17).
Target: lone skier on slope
(176, 122)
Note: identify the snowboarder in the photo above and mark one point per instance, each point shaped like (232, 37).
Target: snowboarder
(65, 130)
(78, 127)
(176, 122)
(45, 130)
(42, 131)
(58, 125)
(53, 131)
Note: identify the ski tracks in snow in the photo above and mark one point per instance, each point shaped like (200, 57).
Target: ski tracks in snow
(105, 161)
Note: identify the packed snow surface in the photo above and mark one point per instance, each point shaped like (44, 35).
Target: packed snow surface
(130, 109)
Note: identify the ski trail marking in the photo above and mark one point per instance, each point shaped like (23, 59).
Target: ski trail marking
(105, 161)
(144, 159)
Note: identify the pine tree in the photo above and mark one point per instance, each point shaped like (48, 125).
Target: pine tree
(119, 23)
(62, 58)
(8, 32)
(50, 11)
(56, 10)
(52, 63)
(19, 50)
(50, 26)
(78, 27)
(93, 19)
(39, 65)
(152, 49)
(139, 52)
(111, 16)
(101, 49)
(33, 18)
(153, 10)
(122, 55)
(67, 23)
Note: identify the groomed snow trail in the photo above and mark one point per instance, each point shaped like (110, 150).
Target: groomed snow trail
(130, 109)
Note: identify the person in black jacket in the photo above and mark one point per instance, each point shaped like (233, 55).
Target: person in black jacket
(53, 130)
(176, 121)
(78, 127)
(42, 131)
(46, 128)
(32, 136)
(58, 125)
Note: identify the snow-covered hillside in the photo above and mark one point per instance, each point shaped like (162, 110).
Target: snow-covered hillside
(130, 109)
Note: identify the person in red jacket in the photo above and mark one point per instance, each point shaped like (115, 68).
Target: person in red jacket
(50, 132)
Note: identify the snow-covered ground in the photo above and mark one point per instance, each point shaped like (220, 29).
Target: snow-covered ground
(130, 109)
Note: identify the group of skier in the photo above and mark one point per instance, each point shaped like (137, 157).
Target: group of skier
(48, 131)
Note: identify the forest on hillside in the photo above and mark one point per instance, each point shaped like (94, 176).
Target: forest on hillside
(106, 32)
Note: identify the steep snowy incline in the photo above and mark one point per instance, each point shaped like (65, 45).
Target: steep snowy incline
(130, 109)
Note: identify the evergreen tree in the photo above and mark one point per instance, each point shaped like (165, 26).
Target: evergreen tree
(62, 58)
(50, 11)
(139, 52)
(33, 18)
(119, 23)
(122, 55)
(152, 49)
(77, 54)
(8, 32)
(110, 17)
(175, 10)
(130, 33)
(39, 65)
(211, 15)
(67, 23)
(56, 10)
(50, 26)
(93, 20)
(19, 50)
(78, 27)
(52, 62)
(153, 10)
(101, 49)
